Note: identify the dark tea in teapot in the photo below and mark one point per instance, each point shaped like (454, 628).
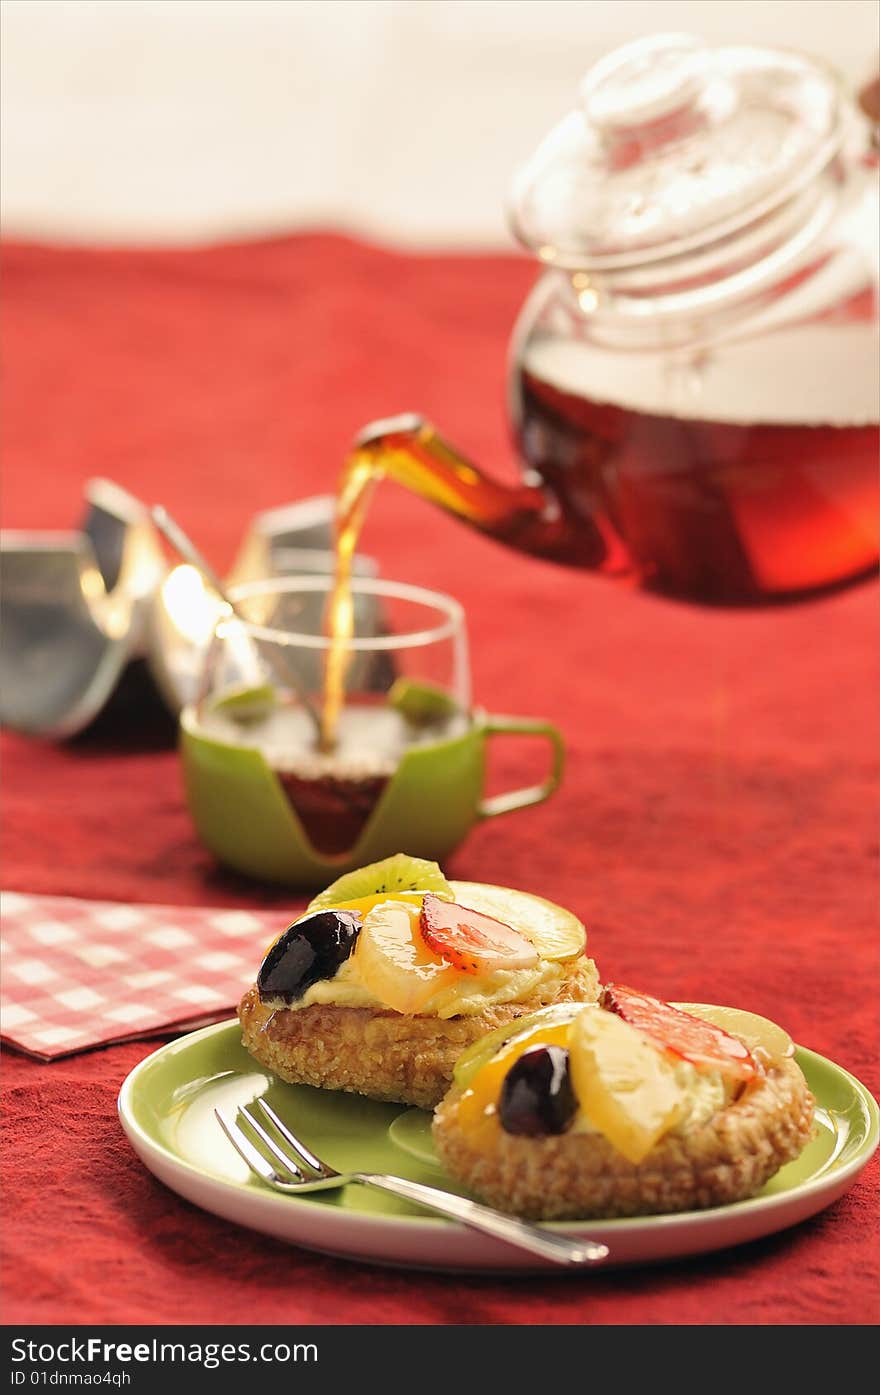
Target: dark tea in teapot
(705, 507)
(696, 376)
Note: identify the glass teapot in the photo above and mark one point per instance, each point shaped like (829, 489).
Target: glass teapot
(694, 379)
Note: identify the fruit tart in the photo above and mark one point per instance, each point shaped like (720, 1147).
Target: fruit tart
(393, 971)
(629, 1106)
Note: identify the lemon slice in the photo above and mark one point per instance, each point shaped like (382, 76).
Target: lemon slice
(624, 1085)
(758, 1033)
(421, 703)
(247, 703)
(556, 933)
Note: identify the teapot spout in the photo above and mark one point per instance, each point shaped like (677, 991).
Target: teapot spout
(530, 516)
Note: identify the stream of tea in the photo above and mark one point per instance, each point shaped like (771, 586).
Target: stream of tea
(413, 454)
(360, 477)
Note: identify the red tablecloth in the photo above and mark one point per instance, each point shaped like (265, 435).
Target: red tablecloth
(716, 830)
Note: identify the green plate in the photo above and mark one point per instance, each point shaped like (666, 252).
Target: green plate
(166, 1107)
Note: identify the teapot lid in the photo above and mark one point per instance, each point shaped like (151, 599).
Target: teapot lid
(674, 144)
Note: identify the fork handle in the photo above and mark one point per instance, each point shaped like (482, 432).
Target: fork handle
(562, 1249)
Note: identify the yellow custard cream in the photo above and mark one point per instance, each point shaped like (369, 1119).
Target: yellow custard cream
(469, 995)
(704, 1093)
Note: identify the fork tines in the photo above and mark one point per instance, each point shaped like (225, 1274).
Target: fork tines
(275, 1154)
(299, 1149)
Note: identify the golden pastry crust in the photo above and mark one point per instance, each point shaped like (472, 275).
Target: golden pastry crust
(381, 1053)
(580, 1175)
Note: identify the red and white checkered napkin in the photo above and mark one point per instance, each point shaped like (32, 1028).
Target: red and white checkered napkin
(78, 974)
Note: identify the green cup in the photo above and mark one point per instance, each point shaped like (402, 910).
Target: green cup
(432, 800)
(408, 676)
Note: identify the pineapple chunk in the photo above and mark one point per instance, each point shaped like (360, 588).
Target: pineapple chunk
(625, 1085)
(393, 961)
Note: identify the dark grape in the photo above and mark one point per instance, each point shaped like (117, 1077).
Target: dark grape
(309, 950)
(537, 1095)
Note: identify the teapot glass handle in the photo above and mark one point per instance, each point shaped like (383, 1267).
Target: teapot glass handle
(531, 794)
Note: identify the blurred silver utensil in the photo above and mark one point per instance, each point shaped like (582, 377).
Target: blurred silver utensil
(183, 544)
(283, 1162)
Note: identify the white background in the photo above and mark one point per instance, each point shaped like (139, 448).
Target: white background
(186, 120)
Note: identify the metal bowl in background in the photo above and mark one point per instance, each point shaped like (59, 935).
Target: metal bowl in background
(75, 609)
(79, 607)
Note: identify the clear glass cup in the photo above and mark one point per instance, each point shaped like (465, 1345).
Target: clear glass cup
(406, 771)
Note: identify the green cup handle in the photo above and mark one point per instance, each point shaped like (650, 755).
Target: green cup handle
(532, 794)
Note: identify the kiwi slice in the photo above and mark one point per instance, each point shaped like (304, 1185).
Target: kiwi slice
(397, 873)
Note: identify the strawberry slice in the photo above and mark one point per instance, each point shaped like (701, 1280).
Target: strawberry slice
(471, 941)
(707, 1047)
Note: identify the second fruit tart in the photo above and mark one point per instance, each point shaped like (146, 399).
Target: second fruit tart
(393, 971)
(630, 1108)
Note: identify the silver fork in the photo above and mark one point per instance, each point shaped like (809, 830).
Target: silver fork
(302, 1171)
